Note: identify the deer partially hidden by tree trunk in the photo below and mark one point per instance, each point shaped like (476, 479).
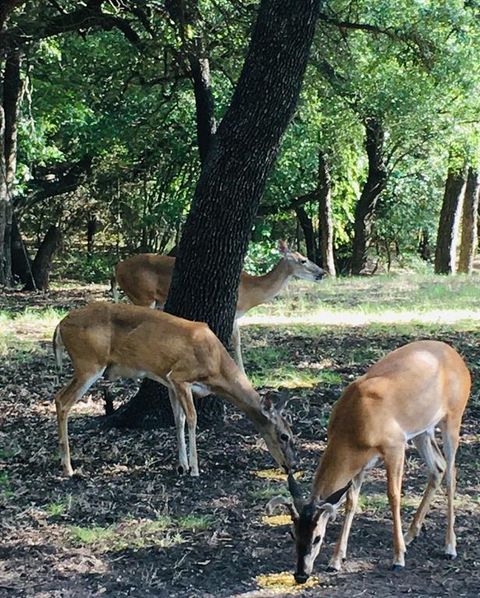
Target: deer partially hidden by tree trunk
(146, 278)
(402, 397)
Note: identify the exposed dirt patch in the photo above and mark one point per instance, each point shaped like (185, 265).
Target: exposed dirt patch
(129, 526)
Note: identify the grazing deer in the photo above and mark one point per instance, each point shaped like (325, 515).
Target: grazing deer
(131, 341)
(402, 397)
(145, 279)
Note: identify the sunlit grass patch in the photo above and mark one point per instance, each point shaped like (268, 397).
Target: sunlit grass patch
(20, 333)
(60, 507)
(284, 582)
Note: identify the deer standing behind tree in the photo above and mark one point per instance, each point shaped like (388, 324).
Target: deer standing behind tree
(145, 279)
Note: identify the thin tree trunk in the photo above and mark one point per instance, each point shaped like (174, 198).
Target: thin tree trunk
(187, 16)
(215, 238)
(447, 235)
(468, 246)
(374, 185)
(325, 215)
(4, 200)
(12, 86)
(306, 225)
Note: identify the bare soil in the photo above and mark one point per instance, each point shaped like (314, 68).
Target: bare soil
(126, 484)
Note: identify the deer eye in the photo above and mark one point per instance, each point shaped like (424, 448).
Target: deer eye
(304, 261)
(317, 540)
(284, 437)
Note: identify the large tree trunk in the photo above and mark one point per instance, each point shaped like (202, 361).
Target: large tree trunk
(42, 264)
(447, 235)
(468, 246)
(374, 185)
(215, 238)
(325, 215)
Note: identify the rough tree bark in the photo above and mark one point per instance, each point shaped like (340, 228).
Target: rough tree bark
(325, 215)
(469, 242)
(215, 237)
(374, 185)
(447, 235)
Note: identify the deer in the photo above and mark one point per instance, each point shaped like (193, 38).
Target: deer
(124, 340)
(402, 397)
(145, 279)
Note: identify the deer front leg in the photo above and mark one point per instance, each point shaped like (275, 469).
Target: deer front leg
(236, 344)
(394, 459)
(340, 551)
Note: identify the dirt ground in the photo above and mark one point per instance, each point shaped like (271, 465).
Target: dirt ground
(128, 525)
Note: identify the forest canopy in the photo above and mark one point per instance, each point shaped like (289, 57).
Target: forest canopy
(113, 103)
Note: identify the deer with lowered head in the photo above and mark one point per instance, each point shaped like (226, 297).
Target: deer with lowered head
(145, 279)
(403, 397)
(121, 340)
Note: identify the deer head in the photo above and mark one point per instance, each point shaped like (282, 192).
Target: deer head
(299, 265)
(276, 431)
(309, 520)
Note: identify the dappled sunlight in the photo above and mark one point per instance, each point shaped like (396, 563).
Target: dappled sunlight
(358, 318)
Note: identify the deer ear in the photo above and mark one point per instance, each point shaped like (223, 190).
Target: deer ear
(266, 405)
(281, 401)
(282, 247)
(336, 497)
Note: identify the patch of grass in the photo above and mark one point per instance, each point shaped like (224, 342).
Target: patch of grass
(368, 298)
(5, 485)
(195, 523)
(94, 535)
(267, 492)
(163, 532)
(60, 507)
(20, 333)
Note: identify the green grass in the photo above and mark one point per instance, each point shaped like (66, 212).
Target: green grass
(421, 293)
(20, 333)
(163, 532)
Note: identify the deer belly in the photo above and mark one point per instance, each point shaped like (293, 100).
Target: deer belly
(121, 371)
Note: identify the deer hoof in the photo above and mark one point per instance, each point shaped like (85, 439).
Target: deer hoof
(397, 567)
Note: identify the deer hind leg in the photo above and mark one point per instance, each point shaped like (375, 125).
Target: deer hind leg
(64, 401)
(237, 346)
(340, 551)
(179, 416)
(394, 459)
(431, 454)
(183, 394)
(450, 433)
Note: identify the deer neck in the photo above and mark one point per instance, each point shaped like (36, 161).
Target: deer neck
(272, 283)
(338, 466)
